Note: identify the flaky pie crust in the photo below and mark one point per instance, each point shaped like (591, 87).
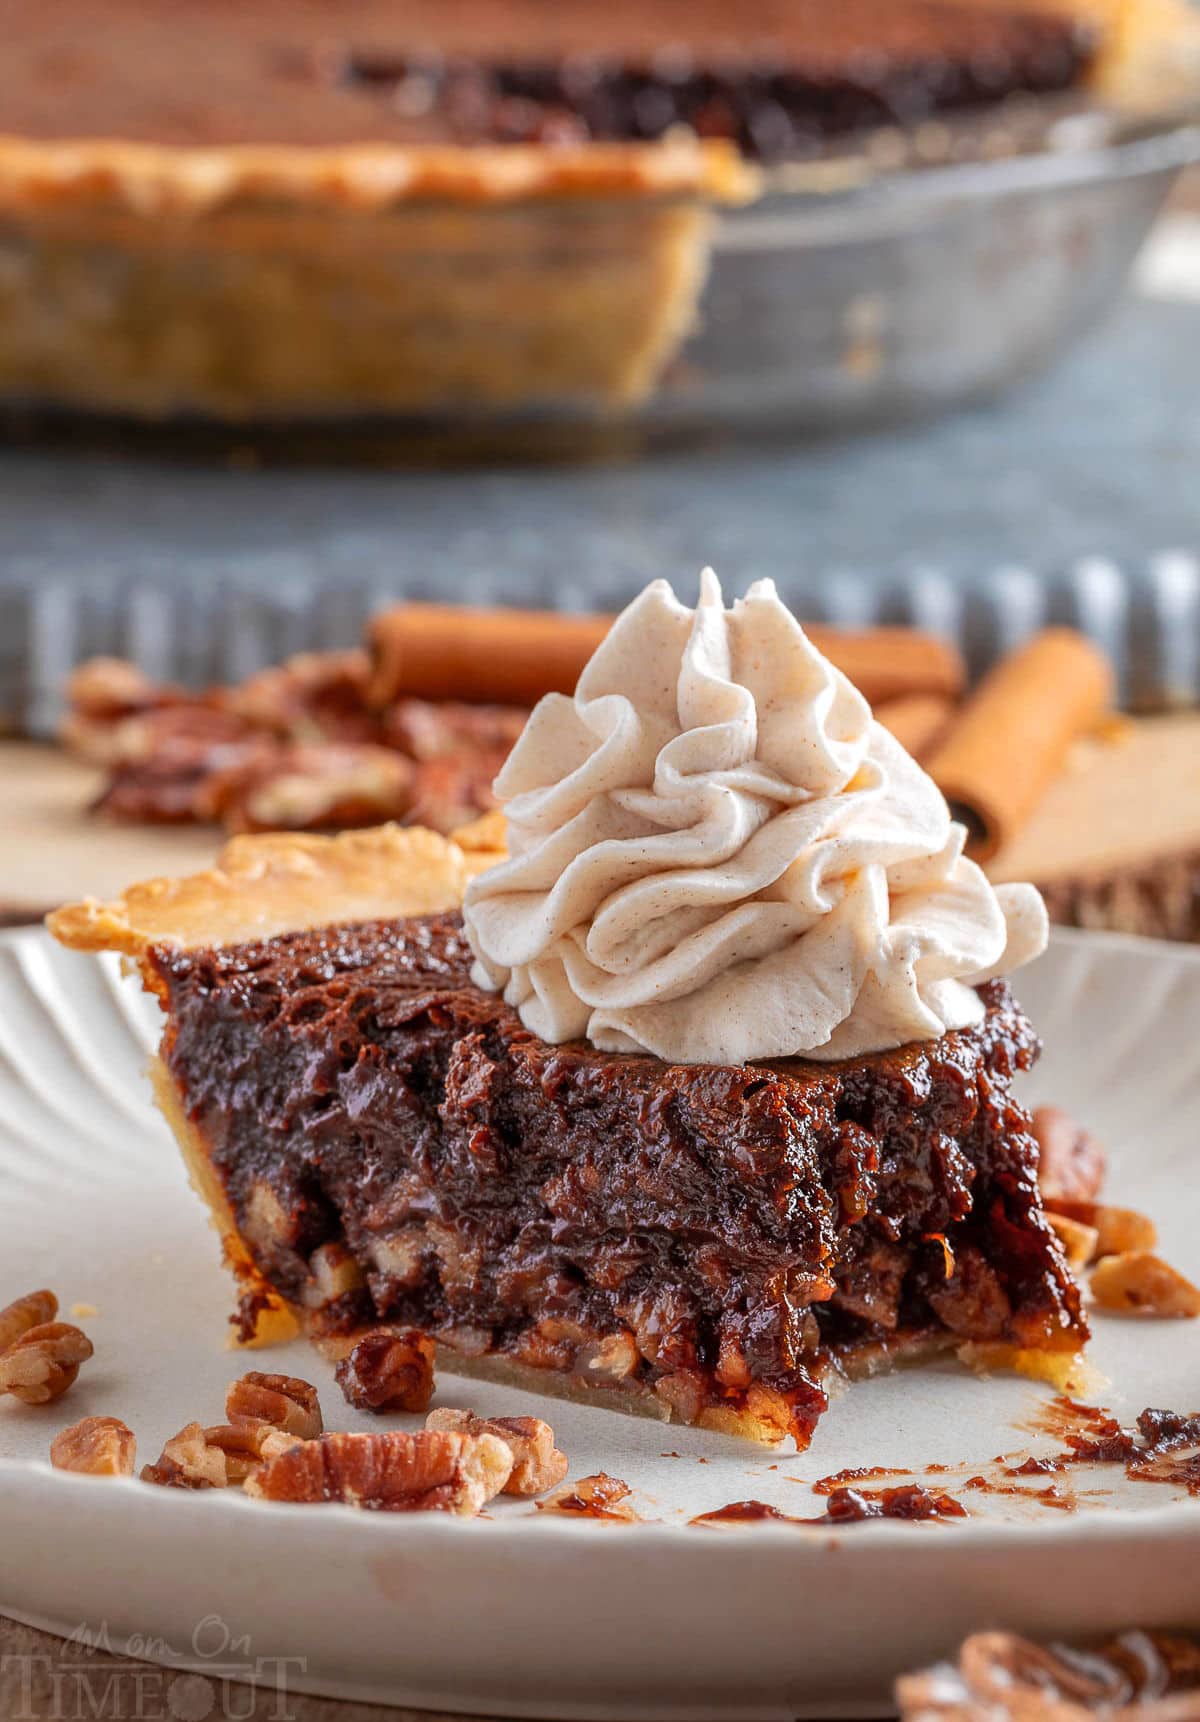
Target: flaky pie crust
(153, 178)
(283, 882)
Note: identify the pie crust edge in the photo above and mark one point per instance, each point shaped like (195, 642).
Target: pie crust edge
(54, 174)
(286, 882)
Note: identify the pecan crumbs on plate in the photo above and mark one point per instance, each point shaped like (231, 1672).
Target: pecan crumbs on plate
(538, 1464)
(95, 1447)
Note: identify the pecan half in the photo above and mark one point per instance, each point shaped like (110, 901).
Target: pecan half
(32, 1310)
(1073, 1164)
(388, 1371)
(42, 1362)
(95, 1447)
(189, 1461)
(538, 1464)
(389, 1472)
(596, 1497)
(1139, 1283)
(283, 1401)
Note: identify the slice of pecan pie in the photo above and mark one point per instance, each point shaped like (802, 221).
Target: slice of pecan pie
(380, 1139)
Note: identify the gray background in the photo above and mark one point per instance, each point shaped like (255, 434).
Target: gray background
(1102, 457)
(1076, 497)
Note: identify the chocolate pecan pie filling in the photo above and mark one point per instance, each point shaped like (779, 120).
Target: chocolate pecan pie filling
(776, 79)
(393, 1144)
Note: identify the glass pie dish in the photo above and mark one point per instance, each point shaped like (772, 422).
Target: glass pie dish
(837, 306)
(917, 270)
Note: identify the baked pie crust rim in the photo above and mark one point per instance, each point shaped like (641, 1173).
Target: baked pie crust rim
(146, 179)
(265, 886)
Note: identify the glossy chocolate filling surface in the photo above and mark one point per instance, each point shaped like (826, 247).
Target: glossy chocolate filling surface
(692, 1231)
(778, 76)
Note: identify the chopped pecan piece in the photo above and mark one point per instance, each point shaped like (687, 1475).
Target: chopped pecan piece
(114, 687)
(1143, 1284)
(191, 733)
(538, 1464)
(1073, 1163)
(452, 789)
(273, 1442)
(42, 1362)
(389, 1472)
(316, 787)
(1079, 1242)
(615, 1358)
(96, 1447)
(428, 729)
(166, 764)
(247, 1445)
(241, 1443)
(1118, 1230)
(101, 694)
(32, 1310)
(282, 1401)
(388, 1371)
(189, 1461)
(596, 1497)
(313, 697)
(333, 1273)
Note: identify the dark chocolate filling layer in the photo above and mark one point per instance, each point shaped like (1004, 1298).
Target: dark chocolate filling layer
(719, 1226)
(778, 76)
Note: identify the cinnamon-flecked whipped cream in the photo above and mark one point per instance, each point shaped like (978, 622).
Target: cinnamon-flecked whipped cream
(717, 855)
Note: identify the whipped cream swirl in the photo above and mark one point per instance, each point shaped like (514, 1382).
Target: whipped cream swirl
(717, 856)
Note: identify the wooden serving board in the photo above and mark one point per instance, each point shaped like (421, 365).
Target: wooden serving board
(1115, 842)
(52, 850)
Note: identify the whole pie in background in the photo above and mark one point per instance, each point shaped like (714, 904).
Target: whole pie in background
(307, 211)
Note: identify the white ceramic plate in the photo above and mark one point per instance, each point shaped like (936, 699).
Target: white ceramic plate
(524, 1614)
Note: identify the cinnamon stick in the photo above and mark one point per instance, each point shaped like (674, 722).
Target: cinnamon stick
(497, 657)
(1013, 735)
(917, 721)
(513, 657)
(892, 663)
